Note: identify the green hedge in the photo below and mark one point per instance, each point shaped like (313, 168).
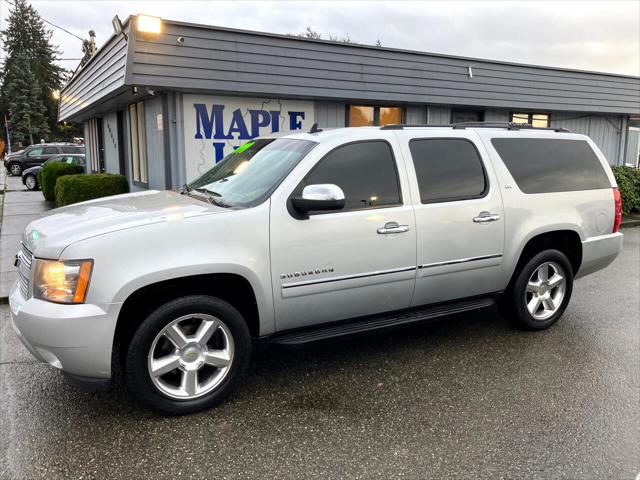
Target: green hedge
(78, 188)
(50, 173)
(628, 180)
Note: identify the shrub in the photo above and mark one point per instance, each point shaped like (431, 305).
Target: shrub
(78, 188)
(628, 180)
(49, 175)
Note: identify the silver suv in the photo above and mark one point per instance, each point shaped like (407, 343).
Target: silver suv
(307, 237)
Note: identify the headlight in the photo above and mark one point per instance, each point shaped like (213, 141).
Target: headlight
(62, 281)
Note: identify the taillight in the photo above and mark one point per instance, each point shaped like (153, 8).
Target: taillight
(617, 200)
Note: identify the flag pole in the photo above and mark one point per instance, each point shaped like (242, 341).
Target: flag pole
(6, 126)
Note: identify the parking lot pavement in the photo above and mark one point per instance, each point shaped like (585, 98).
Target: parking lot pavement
(20, 207)
(468, 397)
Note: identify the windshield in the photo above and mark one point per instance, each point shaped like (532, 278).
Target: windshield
(250, 174)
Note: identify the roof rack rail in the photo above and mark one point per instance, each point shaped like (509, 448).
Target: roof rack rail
(463, 125)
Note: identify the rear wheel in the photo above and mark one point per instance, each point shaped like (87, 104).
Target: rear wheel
(541, 292)
(15, 169)
(30, 182)
(188, 354)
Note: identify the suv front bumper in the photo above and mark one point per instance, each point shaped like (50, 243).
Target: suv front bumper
(76, 339)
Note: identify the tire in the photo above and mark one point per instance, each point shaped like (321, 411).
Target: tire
(175, 392)
(31, 182)
(533, 303)
(15, 169)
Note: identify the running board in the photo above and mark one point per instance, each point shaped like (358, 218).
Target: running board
(379, 322)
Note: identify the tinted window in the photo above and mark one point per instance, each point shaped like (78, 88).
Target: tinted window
(49, 150)
(447, 169)
(365, 171)
(542, 165)
(36, 152)
(72, 149)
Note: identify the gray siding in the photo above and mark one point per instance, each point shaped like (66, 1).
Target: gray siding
(224, 60)
(330, 114)
(102, 76)
(416, 114)
(496, 116)
(110, 141)
(155, 143)
(607, 131)
(438, 115)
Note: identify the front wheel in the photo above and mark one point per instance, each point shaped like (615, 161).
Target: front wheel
(188, 354)
(15, 169)
(30, 182)
(541, 292)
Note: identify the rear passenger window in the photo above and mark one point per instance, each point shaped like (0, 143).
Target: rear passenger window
(365, 171)
(544, 165)
(49, 151)
(72, 149)
(448, 169)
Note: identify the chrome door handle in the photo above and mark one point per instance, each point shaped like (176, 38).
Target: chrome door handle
(393, 227)
(486, 217)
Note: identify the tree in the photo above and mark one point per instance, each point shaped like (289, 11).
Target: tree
(27, 118)
(314, 35)
(26, 35)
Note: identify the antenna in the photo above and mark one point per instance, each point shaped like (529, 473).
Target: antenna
(315, 129)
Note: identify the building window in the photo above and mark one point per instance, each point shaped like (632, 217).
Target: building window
(462, 116)
(367, 116)
(92, 145)
(137, 135)
(539, 120)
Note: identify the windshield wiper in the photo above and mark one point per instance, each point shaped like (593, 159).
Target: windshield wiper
(213, 197)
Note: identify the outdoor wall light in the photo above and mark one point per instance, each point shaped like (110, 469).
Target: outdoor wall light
(149, 24)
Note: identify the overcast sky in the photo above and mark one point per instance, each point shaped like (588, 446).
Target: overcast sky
(596, 35)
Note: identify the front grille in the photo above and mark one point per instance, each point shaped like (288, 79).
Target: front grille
(24, 269)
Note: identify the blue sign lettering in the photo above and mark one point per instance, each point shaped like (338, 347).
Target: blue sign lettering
(205, 122)
(294, 123)
(259, 118)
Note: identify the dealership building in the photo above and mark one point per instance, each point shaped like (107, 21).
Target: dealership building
(163, 100)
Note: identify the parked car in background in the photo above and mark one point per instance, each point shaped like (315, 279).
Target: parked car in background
(37, 154)
(30, 175)
(311, 236)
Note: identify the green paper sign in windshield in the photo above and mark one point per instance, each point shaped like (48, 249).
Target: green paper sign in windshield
(242, 148)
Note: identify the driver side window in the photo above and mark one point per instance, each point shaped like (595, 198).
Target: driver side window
(365, 171)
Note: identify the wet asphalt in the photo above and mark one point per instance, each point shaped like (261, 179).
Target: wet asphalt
(467, 397)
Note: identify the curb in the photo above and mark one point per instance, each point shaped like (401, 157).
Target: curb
(630, 223)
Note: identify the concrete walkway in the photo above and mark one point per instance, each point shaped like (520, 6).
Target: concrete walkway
(19, 208)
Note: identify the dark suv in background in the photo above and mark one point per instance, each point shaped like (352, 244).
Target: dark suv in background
(37, 154)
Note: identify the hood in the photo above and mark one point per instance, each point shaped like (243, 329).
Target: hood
(15, 154)
(48, 236)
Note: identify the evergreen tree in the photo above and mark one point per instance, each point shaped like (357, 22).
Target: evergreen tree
(26, 35)
(27, 118)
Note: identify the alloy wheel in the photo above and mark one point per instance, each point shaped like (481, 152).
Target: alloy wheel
(545, 290)
(30, 182)
(191, 356)
(15, 169)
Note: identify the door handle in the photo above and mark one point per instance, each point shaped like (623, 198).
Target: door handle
(486, 217)
(393, 227)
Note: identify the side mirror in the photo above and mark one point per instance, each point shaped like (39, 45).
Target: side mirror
(325, 196)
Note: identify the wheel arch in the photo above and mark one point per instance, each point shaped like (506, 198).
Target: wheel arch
(231, 287)
(566, 240)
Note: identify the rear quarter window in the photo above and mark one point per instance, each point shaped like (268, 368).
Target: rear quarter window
(544, 165)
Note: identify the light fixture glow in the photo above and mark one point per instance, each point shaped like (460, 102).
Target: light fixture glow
(55, 94)
(149, 24)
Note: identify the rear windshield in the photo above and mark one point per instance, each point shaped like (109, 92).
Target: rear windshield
(544, 165)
